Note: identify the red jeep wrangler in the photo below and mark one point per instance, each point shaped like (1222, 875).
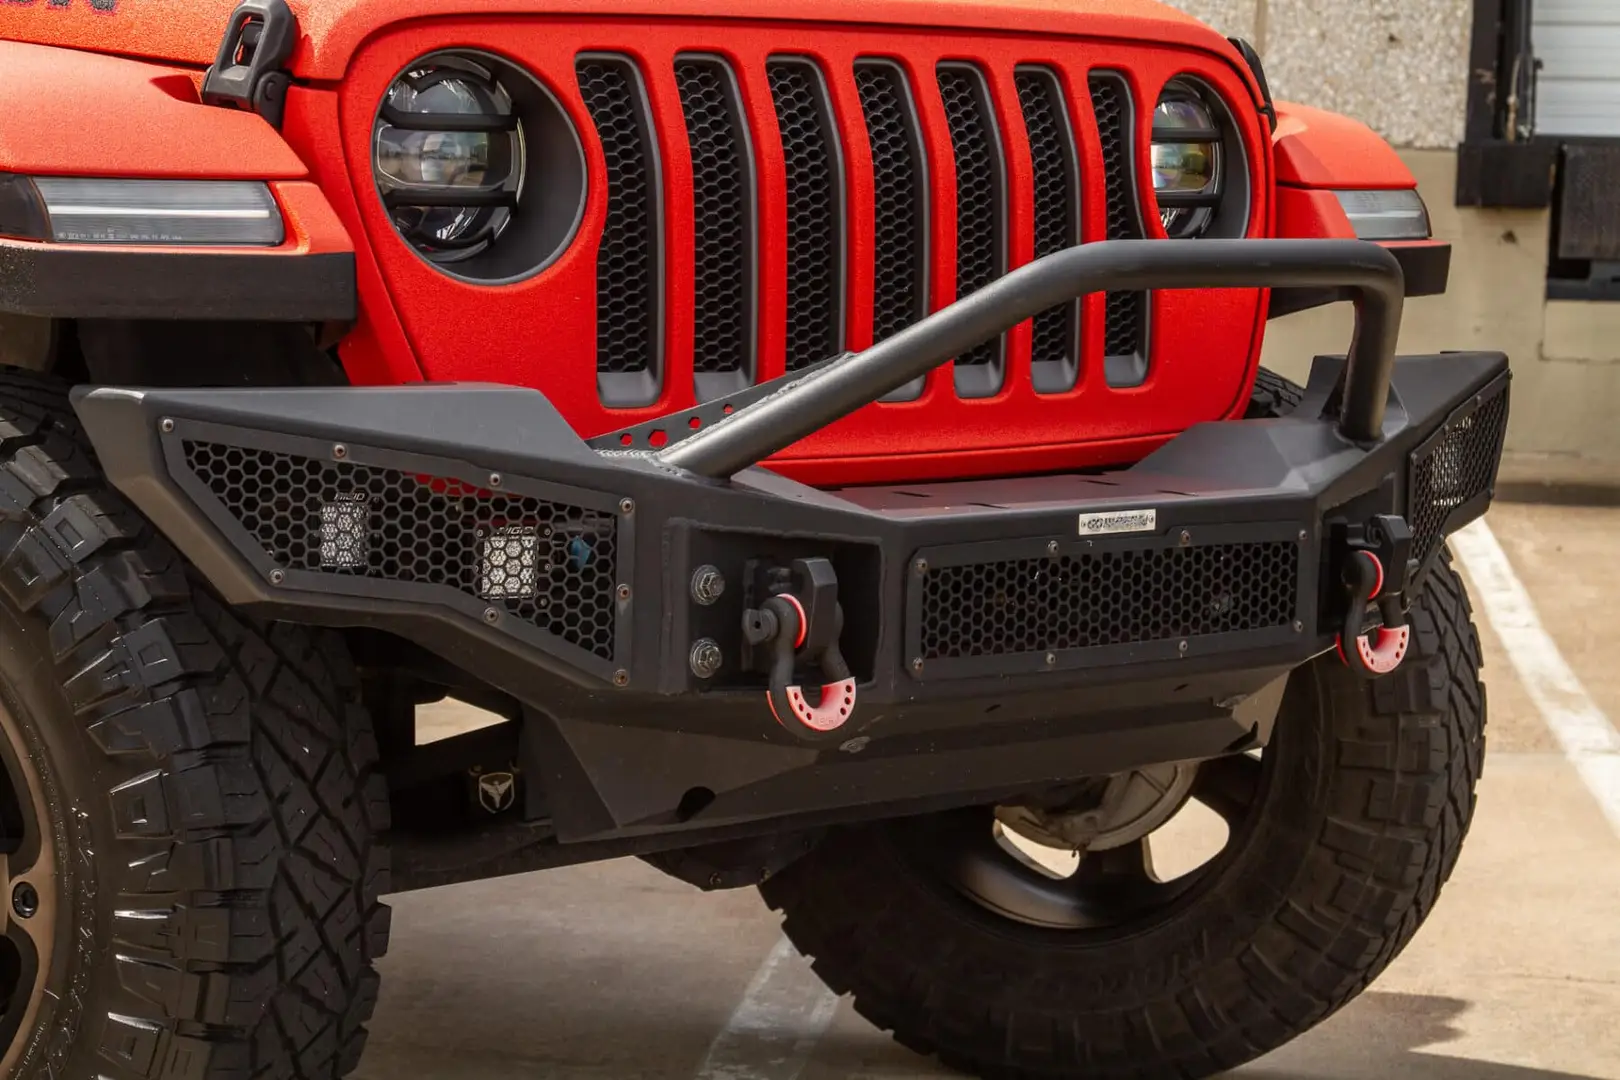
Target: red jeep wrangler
(828, 432)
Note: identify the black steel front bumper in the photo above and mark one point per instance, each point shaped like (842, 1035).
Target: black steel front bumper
(1001, 633)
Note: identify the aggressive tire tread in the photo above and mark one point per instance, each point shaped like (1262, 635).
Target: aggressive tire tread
(234, 907)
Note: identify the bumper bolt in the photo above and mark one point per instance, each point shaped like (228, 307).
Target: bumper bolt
(706, 658)
(492, 616)
(1051, 659)
(1051, 547)
(921, 566)
(1303, 536)
(623, 593)
(1182, 648)
(627, 506)
(917, 665)
(166, 426)
(621, 678)
(1186, 538)
(25, 900)
(340, 451)
(494, 479)
(277, 577)
(708, 584)
(1299, 626)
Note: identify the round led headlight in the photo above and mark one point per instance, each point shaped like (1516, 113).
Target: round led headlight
(449, 156)
(1186, 162)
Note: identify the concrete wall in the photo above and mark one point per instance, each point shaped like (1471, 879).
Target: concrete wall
(1401, 67)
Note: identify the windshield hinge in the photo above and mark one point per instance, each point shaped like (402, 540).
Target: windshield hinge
(248, 72)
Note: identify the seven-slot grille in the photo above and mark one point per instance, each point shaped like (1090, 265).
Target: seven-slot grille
(820, 216)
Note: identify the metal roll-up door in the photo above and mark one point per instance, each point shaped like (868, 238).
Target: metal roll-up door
(1578, 89)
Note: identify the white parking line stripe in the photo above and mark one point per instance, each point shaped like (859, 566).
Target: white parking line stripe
(1588, 738)
(776, 1026)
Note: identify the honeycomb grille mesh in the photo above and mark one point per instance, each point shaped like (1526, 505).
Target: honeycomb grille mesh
(1122, 334)
(722, 210)
(548, 564)
(979, 250)
(627, 261)
(1453, 470)
(1107, 598)
(815, 224)
(900, 207)
(1057, 185)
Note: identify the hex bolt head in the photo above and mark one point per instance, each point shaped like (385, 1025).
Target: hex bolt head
(492, 615)
(706, 658)
(25, 900)
(277, 576)
(621, 678)
(340, 451)
(708, 584)
(166, 425)
(627, 506)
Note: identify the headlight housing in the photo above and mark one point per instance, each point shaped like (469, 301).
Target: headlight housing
(1187, 161)
(448, 156)
(478, 166)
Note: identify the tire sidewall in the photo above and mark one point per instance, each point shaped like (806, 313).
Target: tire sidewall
(74, 777)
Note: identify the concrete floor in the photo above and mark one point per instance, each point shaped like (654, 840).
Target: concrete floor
(616, 971)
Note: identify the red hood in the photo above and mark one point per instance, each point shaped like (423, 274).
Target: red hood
(188, 31)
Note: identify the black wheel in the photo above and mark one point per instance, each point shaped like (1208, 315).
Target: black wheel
(189, 811)
(1339, 836)
(1273, 395)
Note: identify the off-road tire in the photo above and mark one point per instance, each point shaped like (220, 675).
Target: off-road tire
(213, 784)
(1273, 396)
(1359, 824)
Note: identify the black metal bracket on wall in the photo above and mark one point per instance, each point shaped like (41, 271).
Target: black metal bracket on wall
(1500, 162)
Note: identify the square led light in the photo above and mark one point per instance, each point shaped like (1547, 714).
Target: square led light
(345, 532)
(509, 563)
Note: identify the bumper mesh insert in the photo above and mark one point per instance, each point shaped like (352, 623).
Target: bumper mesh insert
(1454, 468)
(549, 564)
(1107, 598)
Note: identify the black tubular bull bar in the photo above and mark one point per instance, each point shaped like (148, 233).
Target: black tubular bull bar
(666, 618)
(807, 404)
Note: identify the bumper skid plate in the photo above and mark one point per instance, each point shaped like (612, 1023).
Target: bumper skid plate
(679, 623)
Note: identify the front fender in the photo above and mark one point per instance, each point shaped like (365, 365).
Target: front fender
(68, 113)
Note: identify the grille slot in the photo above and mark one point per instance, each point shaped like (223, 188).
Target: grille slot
(981, 248)
(1124, 334)
(629, 263)
(1454, 468)
(815, 211)
(1092, 600)
(723, 200)
(900, 203)
(1055, 344)
(549, 564)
